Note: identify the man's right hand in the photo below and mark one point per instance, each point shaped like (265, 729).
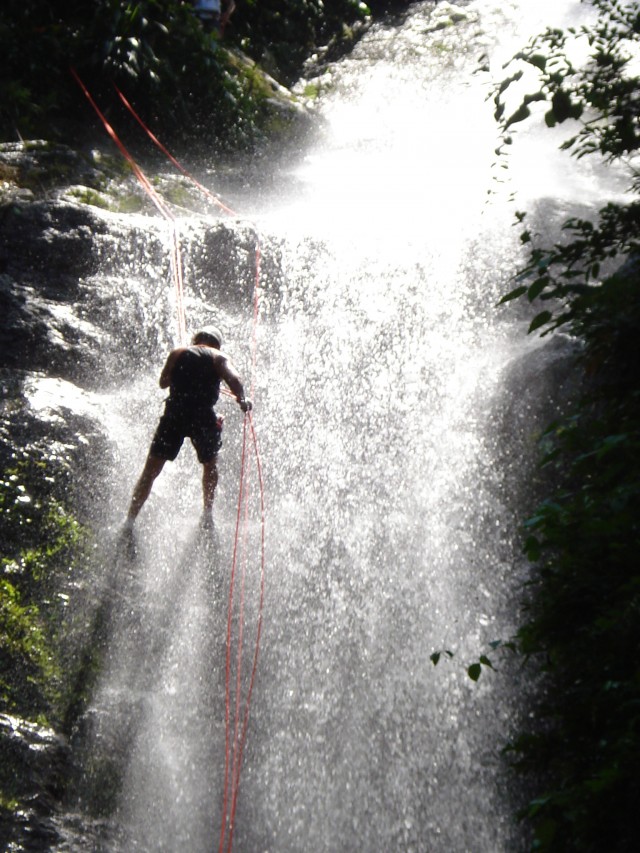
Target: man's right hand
(245, 404)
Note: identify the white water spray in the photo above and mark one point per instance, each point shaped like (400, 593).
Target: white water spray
(394, 467)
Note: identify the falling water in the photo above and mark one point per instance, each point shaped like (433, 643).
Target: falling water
(396, 446)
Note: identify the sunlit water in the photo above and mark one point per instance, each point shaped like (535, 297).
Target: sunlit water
(396, 452)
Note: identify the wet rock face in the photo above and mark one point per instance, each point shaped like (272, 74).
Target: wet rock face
(38, 758)
(45, 251)
(58, 320)
(52, 338)
(87, 305)
(52, 243)
(82, 287)
(87, 296)
(54, 418)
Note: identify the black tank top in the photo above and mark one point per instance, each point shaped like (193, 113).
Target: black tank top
(194, 381)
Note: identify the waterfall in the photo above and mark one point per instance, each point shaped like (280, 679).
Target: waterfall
(397, 447)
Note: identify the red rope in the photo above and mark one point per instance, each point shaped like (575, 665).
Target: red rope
(245, 722)
(176, 254)
(233, 759)
(256, 315)
(234, 753)
(227, 701)
(178, 166)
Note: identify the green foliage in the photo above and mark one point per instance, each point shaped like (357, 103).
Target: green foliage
(583, 627)
(155, 51)
(41, 546)
(474, 670)
(436, 656)
(182, 80)
(603, 94)
(600, 100)
(28, 673)
(177, 76)
(286, 34)
(86, 195)
(583, 605)
(565, 275)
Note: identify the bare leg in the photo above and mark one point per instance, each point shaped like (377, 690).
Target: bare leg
(152, 467)
(209, 483)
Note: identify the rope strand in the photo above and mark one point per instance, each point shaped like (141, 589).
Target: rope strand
(176, 253)
(232, 765)
(211, 196)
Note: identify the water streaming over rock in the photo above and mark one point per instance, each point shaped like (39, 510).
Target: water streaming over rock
(397, 413)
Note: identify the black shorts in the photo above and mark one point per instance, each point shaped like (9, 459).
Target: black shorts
(178, 423)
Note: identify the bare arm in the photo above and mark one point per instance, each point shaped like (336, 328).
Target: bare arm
(229, 374)
(167, 370)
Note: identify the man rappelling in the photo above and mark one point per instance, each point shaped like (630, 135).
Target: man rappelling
(193, 375)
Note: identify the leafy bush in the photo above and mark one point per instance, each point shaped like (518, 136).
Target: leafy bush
(154, 49)
(41, 546)
(183, 80)
(583, 618)
(583, 604)
(286, 34)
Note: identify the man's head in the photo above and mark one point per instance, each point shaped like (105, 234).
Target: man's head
(208, 335)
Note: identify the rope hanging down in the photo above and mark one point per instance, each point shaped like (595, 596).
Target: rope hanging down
(211, 196)
(176, 253)
(233, 751)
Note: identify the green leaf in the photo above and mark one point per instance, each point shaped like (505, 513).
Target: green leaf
(523, 112)
(537, 287)
(535, 96)
(561, 106)
(576, 111)
(514, 294)
(506, 83)
(545, 833)
(538, 60)
(435, 657)
(540, 320)
(611, 442)
(474, 671)
(532, 548)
